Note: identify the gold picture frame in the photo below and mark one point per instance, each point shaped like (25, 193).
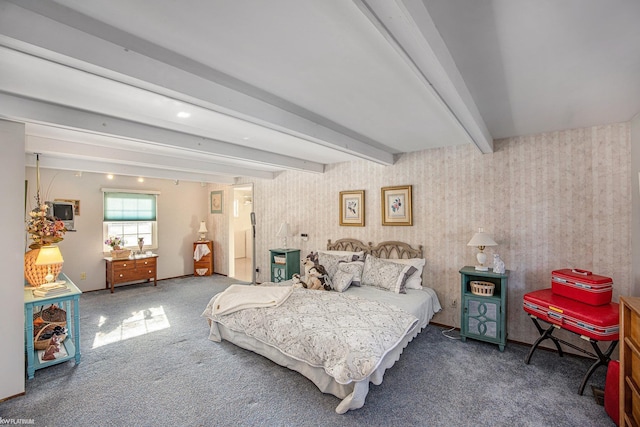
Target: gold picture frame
(352, 208)
(396, 205)
(217, 200)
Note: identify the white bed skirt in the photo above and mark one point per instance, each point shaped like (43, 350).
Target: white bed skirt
(353, 394)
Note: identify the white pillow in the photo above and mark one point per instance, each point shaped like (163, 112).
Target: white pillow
(384, 274)
(354, 268)
(330, 262)
(415, 281)
(341, 280)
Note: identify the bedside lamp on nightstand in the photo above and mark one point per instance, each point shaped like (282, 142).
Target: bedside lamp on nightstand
(481, 240)
(203, 231)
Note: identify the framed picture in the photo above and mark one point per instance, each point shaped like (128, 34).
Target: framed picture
(76, 205)
(352, 208)
(396, 205)
(216, 201)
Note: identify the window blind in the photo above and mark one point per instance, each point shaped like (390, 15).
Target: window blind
(129, 207)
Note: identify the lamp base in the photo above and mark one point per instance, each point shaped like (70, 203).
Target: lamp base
(482, 268)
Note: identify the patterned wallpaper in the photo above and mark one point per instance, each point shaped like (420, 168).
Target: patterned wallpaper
(550, 201)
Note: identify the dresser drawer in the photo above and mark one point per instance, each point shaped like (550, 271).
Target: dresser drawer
(146, 263)
(124, 266)
(123, 276)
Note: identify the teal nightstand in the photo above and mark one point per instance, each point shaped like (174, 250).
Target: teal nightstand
(288, 263)
(483, 317)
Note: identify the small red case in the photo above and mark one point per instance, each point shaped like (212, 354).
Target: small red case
(598, 322)
(582, 285)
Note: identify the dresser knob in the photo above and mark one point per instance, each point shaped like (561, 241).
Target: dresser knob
(124, 265)
(121, 275)
(149, 271)
(145, 263)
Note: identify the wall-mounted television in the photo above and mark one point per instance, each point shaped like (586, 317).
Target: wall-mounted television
(64, 211)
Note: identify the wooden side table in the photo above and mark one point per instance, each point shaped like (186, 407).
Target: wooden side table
(70, 302)
(204, 265)
(484, 317)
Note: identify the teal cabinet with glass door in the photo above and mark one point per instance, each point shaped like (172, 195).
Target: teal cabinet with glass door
(483, 316)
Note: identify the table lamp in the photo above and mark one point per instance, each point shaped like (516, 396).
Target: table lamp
(49, 255)
(284, 232)
(481, 240)
(203, 230)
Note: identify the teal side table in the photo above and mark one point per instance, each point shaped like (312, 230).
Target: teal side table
(284, 271)
(70, 302)
(483, 317)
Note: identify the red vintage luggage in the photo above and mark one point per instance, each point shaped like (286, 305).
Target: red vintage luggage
(598, 322)
(582, 285)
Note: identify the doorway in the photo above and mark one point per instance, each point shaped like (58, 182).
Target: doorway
(240, 233)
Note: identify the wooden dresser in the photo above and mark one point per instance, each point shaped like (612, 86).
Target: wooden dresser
(630, 361)
(131, 270)
(204, 265)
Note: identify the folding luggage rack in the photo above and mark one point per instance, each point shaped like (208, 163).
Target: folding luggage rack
(551, 310)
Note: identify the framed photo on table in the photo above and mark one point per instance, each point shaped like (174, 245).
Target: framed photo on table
(396, 205)
(352, 208)
(216, 201)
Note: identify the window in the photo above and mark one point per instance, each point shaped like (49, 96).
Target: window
(130, 216)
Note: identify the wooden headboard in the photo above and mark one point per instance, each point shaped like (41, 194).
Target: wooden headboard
(388, 250)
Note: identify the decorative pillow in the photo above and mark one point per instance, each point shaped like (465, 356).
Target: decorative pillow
(415, 281)
(355, 256)
(330, 262)
(386, 274)
(354, 268)
(341, 281)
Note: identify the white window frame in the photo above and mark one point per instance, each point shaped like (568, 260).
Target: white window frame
(131, 244)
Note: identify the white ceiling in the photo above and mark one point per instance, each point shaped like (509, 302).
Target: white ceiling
(299, 84)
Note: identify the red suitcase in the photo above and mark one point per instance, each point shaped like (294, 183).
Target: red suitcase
(612, 391)
(598, 322)
(582, 285)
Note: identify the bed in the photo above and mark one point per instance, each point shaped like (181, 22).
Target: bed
(313, 328)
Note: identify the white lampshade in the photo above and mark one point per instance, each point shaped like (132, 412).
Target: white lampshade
(49, 255)
(481, 240)
(284, 232)
(203, 230)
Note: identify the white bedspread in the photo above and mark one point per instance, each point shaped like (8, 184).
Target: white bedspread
(346, 336)
(243, 297)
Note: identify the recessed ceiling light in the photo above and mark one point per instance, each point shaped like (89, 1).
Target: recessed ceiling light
(183, 114)
(246, 138)
(140, 179)
(109, 176)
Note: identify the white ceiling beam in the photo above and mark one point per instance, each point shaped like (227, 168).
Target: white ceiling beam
(76, 40)
(17, 107)
(409, 29)
(37, 144)
(51, 162)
